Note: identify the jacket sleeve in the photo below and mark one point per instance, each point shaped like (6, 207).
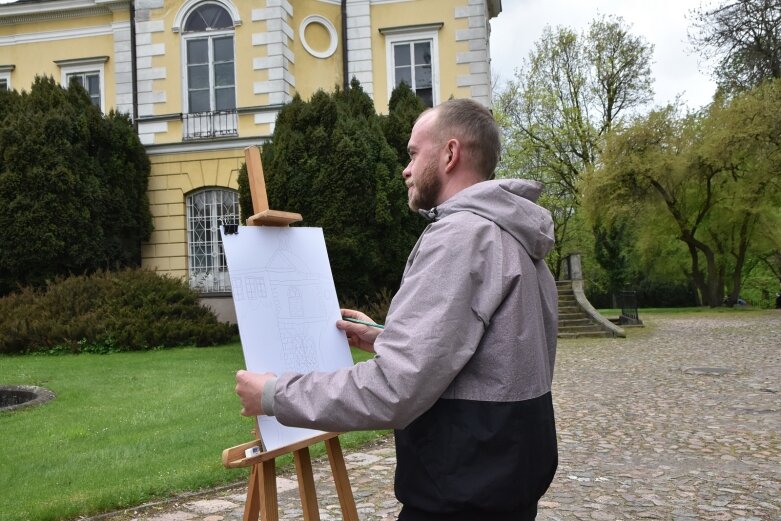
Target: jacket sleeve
(450, 290)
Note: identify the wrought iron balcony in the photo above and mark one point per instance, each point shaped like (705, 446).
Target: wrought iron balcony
(207, 125)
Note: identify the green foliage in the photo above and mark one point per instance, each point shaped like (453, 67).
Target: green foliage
(72, 187)
(566, 96)
(712, 177)
(330, 161)
(404, 108)
(127, 310)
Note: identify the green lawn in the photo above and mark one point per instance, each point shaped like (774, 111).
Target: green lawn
(123, 429)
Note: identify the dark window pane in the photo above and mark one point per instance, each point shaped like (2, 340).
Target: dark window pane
(401, 54)
(198, 77)
(426, 96)
(225, 98)
(3, 84)
(223, 74)
(223, 49)
(93, 84)
(423, 76)
(76, 78)
(404, 74)
(422, 53)
(199, 101)
(197, 51)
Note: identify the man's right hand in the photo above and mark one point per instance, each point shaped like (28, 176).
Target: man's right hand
(358, 335)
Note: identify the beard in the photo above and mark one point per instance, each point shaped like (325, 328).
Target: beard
(426, 188)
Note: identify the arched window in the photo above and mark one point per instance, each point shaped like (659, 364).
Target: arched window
(207, 210)
(210, 70)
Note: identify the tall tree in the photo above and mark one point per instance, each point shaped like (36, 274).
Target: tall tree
(716, 175)
(568, 94)
(745, 37)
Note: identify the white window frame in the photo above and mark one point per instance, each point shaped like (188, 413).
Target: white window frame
(85, 65)
(5, 75)
(211, 35)
(410, 35)
(181, 20)
(212, 278)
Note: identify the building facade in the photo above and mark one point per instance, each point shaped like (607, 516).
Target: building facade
(203, 79)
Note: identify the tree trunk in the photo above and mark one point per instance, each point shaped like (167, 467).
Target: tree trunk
(740, 261)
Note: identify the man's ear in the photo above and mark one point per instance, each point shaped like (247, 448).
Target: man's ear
(453, 150)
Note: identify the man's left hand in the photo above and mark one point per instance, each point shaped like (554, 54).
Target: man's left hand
(249, 387)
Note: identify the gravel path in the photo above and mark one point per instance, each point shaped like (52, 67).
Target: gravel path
(679, 421)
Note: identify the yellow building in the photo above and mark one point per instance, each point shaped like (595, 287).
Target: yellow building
(203, 79)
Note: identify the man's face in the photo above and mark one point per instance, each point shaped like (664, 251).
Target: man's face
(421, 176)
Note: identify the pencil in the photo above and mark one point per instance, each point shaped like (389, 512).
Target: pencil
(372, 324)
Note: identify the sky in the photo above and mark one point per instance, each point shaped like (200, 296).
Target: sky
(663, 23)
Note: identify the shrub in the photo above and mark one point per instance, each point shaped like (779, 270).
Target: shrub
(72, 187)
(128, 310)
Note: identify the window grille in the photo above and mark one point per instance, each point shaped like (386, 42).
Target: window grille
(207, 210)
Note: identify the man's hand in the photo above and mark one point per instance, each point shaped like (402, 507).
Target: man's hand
(358, 335)
(249, 387)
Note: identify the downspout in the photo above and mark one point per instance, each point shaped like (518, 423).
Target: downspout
(133, 64)
(345, 68)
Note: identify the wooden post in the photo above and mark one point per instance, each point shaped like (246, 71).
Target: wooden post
(262, 501)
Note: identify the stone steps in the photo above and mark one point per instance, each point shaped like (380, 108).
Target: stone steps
(574, 322)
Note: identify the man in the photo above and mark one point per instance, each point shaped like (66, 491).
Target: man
(464, 365)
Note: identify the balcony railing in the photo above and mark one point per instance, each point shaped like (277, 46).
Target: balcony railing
(207, 125)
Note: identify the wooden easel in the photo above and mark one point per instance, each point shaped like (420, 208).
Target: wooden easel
(262, 487)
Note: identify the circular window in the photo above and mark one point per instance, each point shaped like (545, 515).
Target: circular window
(320, 23)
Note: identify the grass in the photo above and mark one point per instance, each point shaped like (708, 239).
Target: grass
(124, 429)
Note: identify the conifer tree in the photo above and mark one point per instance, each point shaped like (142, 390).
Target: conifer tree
(72, 187)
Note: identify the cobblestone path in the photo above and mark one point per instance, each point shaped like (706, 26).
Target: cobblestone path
(680, 421)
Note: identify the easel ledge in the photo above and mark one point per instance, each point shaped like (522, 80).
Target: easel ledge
(262, 498)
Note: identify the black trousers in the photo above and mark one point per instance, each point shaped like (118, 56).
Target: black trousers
(414, 514)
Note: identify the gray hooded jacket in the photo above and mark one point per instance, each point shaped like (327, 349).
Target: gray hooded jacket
(464, 366)
(465, 277)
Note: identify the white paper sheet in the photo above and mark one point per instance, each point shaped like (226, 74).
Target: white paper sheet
(286, 308)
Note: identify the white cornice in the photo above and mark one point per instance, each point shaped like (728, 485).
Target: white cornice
(42, 11)
(205, 146)
(46, 36)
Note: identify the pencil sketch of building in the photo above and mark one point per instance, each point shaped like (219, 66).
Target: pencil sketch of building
(298, 301)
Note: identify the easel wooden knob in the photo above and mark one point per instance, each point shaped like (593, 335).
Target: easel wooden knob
(262, 501)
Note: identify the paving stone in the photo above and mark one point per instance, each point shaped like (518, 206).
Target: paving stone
(640, 437)
(210, 506)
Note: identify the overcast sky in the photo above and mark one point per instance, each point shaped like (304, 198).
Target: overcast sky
(663, 23)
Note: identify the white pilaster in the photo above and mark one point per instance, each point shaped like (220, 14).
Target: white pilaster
(359, 56)
(476, 35)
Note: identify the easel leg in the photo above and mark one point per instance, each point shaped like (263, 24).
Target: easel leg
(341, 480)
(252, 506)
(306, 485)
(269, 509)
(262, 478)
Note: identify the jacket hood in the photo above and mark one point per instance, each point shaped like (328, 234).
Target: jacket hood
(510, 203)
